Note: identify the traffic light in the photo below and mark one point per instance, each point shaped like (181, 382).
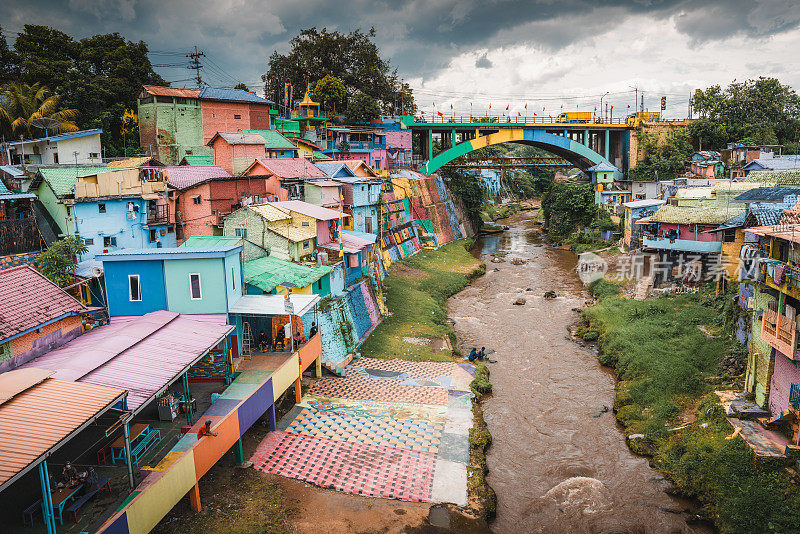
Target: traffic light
(663, 103)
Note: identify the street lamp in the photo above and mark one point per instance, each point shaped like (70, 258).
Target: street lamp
(601, 103)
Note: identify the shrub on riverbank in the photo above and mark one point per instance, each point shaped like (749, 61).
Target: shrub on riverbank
(416, 292)
(661, 356)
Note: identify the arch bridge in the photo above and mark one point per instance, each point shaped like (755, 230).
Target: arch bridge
(583, 144)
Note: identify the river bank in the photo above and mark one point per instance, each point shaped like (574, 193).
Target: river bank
(558, 460)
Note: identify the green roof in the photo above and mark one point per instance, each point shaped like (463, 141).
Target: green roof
(273, 139)
(268, 272)
(693, 215)
(288, 126)
(206, 241)
(316, 154)
(774, 177)
(199, 160)
(62, 179)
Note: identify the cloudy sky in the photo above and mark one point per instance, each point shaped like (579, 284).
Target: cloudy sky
(544, 54)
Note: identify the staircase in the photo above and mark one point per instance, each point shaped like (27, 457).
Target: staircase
(643, 287)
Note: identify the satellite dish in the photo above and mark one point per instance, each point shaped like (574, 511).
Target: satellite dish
(45, 123)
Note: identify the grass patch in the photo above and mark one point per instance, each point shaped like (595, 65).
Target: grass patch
(482, 496)
(661, 357)
(480, 385)
(494, 212)
(243, 502)
(416, 292)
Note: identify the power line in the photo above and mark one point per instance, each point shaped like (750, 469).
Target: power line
(194, 63)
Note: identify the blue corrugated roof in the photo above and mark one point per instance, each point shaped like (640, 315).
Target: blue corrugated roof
(768, 194)
(602, 167)
(788, 162)
(134, 254)
(767, 216)
(231, 95)
(331, 168)
(61, 137)
(11, 170)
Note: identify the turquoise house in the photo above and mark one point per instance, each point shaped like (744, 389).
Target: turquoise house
(190, 280)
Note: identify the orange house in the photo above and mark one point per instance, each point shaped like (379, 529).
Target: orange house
(236, 151)
(36, 316)
(228, 110)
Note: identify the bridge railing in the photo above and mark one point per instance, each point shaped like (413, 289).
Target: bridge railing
(506, 119)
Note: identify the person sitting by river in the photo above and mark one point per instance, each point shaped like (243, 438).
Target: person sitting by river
(473, 354)
(482, 353)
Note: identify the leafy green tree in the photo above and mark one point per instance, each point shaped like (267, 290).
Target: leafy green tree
(8, 61)
(22, 104)
(241, 86)
(362, 108)
(329, 92)
(665, 159)
(59, 260)
(708, 134)
(353, 58)
(468, 190)
(567, 207)
(100, 76)
(763, 109)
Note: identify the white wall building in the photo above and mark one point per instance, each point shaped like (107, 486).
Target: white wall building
(83, 147)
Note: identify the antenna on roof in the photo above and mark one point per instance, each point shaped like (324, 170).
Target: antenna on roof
(194, 63)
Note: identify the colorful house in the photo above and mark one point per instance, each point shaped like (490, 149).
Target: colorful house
(187, 280)
(635, 211)
(308, 150)
(361, 199)
(271, 275)
(356, 143)
(73, 148)
(355, 251)
(235, 152)
(275, 145)
(268, 230)
(685, 230)
(786, 162)
(122, 208)
(55, 188)
(336, 169)
(325, 193)
(708, 164)
(602, 176)
(229, 110)
(360, 168)
(289, 174)
(37, 316)
(399, 150)
(174, 122)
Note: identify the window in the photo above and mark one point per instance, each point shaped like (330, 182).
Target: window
(101, 207)
(241, 232)
(88, 241)
(237, 116)
(319, 284)
(196, 199)
(134, 288)
(180, 101)
(170, 229)
(146, 100)
(164, 99)
(305, 245)
(258, 117)
(305, 223)
(194, 286)
(94, 154)
(55, 157)
(153, 235)
(109, 241)
(729, 235)
(233, 276)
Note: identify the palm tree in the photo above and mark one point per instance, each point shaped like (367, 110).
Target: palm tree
(21, 103)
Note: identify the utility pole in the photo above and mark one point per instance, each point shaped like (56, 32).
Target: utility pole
(642, 108)
(194, 64)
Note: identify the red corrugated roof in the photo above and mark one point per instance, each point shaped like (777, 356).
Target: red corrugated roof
(38, 419)
(157, 90)
(28, 299)
(184, 176)
(290, 167)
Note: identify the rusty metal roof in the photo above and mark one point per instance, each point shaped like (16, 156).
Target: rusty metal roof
(38, 420)
(171, 91)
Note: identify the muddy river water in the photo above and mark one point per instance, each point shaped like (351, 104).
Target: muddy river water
(558, 461)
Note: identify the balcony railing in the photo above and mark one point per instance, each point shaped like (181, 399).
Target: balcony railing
(779, 332)
(158, 214)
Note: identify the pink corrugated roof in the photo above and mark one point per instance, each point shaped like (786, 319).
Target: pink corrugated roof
(352, 244)
(28, 299)
(291, 167)
(304, 208)
(137, 354)
(184, 176)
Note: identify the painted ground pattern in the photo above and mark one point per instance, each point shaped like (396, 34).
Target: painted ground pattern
(388, 428)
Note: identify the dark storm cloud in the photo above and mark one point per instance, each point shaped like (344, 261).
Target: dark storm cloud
(420, 36)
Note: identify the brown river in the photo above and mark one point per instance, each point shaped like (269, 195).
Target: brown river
(558, 461)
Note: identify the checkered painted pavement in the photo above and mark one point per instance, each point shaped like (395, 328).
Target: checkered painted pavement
(389, 428)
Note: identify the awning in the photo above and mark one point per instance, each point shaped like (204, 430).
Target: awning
(273, 304)
(142, 355)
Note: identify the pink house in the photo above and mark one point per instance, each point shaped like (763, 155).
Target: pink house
(327, 220)
(229, 110)
(785, 374)
(323, 193)
(287, 175)
(236, 151)
(398, 149)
